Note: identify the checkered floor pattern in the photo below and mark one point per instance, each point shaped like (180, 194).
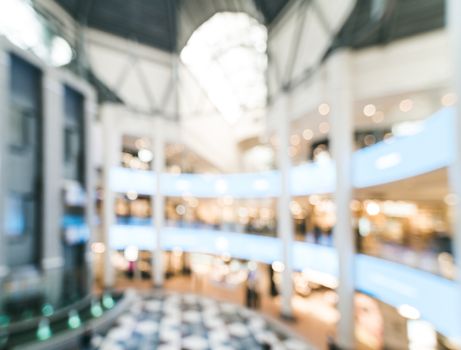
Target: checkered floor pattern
(189, 322)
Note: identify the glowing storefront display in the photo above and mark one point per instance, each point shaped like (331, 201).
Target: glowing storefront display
(382, 163)
(237, 245)
(394, 284)
(436, 298)
(402, 158)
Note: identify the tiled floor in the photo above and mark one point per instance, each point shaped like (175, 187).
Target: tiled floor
(190, 322)
(314, 318)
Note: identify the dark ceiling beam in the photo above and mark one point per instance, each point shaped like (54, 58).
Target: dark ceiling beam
(154, 22)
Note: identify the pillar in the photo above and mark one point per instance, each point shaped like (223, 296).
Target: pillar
(285, 223)
(453, 9)
(53, 95)
(52, 254)
(341, 137)
(112, 150)
(159, 204)
(4, 110)
(90, 110)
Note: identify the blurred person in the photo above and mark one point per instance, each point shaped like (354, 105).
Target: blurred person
(252, 294)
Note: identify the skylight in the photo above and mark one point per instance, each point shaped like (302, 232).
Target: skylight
(227, 56)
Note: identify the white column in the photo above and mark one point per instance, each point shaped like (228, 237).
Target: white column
(52, 255)
(112, 149)
(90, 178)
(454, 25)
(4, 109)
(341, 137)
(159, 203)
(285, 223)
(52, 252)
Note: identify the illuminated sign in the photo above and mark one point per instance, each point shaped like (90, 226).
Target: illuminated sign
(435, 298)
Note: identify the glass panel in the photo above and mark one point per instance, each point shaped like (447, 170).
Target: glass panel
(15, 223)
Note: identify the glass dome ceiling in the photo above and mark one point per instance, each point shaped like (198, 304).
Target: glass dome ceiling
(228, 57)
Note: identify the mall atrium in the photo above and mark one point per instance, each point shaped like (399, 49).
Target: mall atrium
(230, 174)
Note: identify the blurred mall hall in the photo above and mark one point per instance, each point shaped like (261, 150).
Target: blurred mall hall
(230, 174)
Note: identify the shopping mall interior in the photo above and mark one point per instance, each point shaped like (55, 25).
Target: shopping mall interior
(230, 174)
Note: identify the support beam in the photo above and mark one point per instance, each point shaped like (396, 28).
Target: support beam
(303, 7)
(285, 223)
(159, 203)
(340, 97)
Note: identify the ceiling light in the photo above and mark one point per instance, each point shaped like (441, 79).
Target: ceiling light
(372, 208)
(145, 155)
(308, 134)
(324, 109)
(180, 209)
(448, 99)
(369, 110)
(406, 105)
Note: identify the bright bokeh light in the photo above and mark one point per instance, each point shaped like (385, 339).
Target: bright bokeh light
(278, 266)
(61, 52)
(227, 56)
(324, 109)
(308, 134)
(145, 155)
(369, 110)
(408, 128)
(409, 312)
(448, 99)
(406, 105)
(131, 253)
(21, 24)
(372, 208)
